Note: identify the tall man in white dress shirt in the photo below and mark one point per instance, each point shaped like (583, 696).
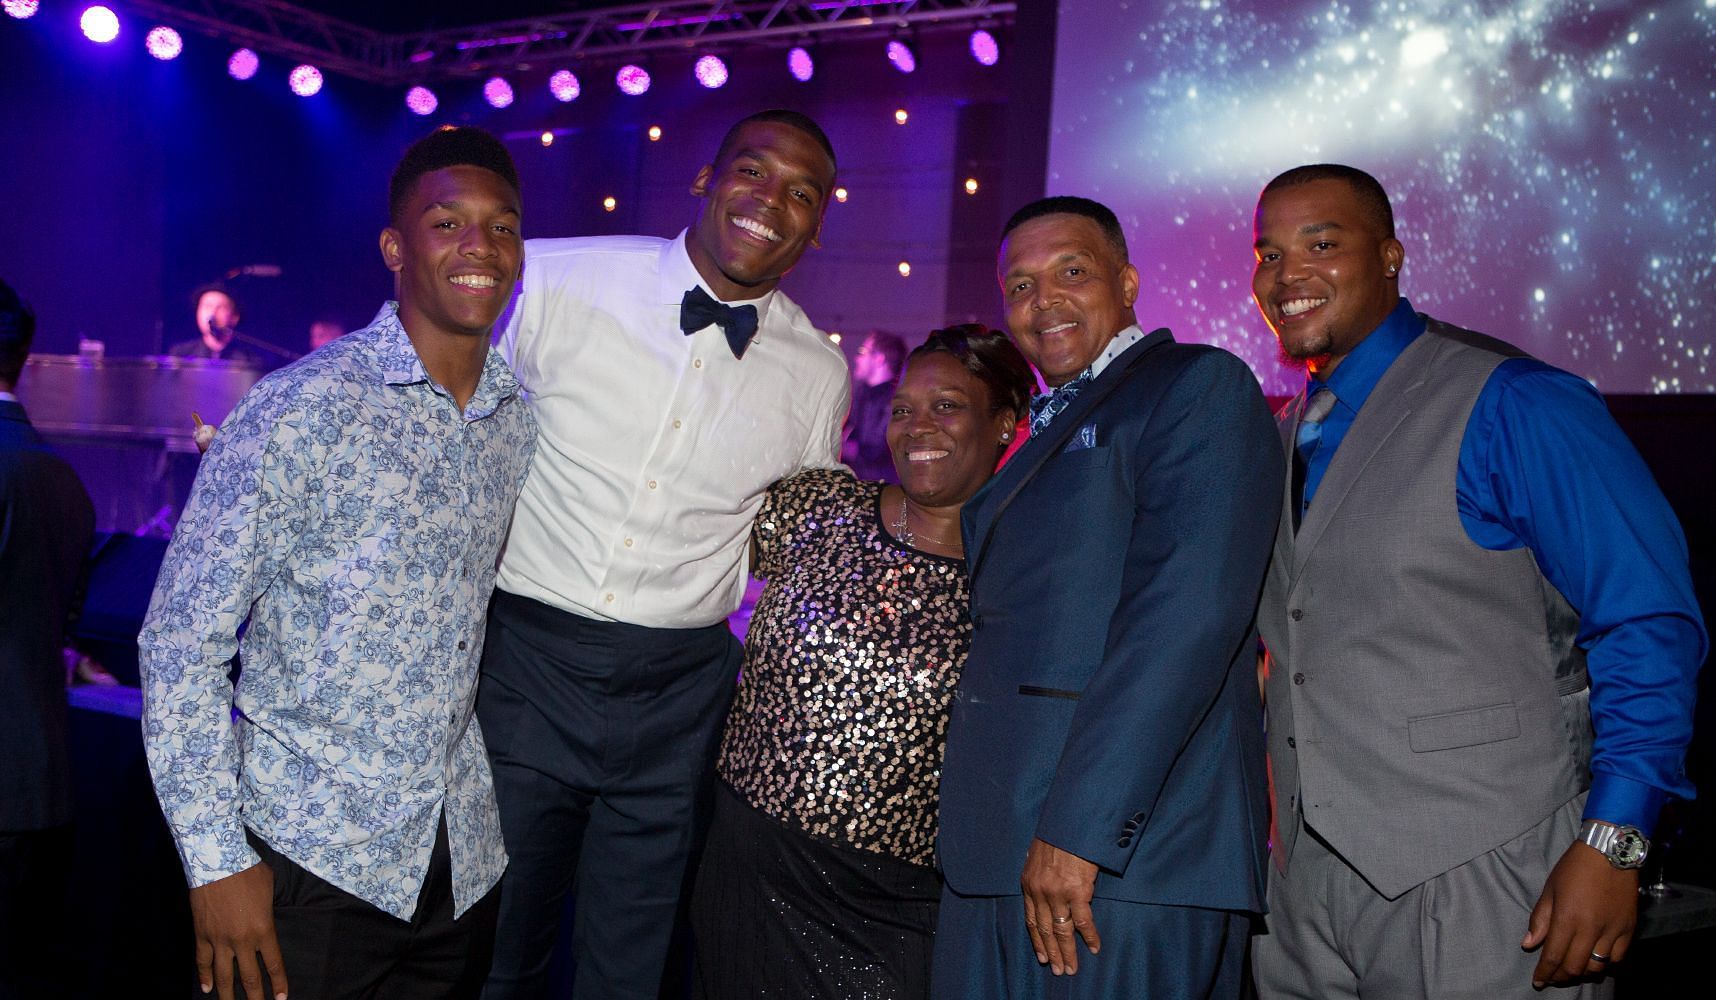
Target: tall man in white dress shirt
(672, 384)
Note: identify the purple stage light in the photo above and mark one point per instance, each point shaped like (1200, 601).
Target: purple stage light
(99, 24)
(900, 54)
(421, 101)
(243, 64)
(711, 71)
(164, 43)
(19, 9)
(497, 92)
(564, 86)
(305, 80)
(632, 79)
(800, 64)
(984, 48)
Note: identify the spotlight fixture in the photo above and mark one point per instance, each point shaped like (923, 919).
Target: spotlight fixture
(800, 64)
(497, 92)
(711, 71)
(243, 64)
(609, 204)
(632, 79)
(421, 101)
(984, 48)
(971, 185)
(99, 24)
(902, 56)
(900, 116)
(655, 133)
(564, 86)
(305, 80)
(548, 137)
(834, 335)
(905, 268)
(20, 9)
(163, 43)
(840, 195)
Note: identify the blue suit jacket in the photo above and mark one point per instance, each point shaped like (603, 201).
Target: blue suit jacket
(1109, 705)
(46, 523)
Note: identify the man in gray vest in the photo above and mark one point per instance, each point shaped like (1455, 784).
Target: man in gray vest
(1482, 634)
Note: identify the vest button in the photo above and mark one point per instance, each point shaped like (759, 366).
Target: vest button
(1292, 744)
(1297, 614)
(1298, 678)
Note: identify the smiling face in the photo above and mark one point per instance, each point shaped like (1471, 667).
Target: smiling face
(762, 205)
(1326, 275)
(1067, 292)
(944, 431)
(456, 252)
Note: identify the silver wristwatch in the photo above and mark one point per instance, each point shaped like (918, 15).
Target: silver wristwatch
(1623, 846)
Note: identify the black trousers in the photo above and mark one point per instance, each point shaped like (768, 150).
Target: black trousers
(335, 945)
(603, 738)
(35, 866)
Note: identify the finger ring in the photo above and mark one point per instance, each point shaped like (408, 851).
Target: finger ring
(1063, 920)
(1595, 957)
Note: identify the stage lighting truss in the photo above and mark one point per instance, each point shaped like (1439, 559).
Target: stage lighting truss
(614, 34)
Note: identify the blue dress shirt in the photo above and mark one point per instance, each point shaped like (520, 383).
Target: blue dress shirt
(1544, 465)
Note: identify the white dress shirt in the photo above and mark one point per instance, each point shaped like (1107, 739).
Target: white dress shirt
(655, 447)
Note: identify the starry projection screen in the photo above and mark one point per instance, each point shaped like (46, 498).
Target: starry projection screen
(1550, 163)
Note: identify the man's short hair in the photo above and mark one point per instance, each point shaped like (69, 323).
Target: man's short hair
(198, 292)
(1066, 204)
(17, 330)
(1373, 200)
(447, 146)
(783, 116)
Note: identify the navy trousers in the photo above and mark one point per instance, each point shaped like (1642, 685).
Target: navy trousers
(982, 952)
(603, 737)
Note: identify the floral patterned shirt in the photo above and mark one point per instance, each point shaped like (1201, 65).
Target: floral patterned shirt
(354, 517)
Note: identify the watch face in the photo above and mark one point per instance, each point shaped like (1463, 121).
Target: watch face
(1629, 848)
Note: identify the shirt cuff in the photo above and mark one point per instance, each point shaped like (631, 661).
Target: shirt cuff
(1624, 802)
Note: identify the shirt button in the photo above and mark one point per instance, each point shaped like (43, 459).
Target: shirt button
(461, 645)
(1297, 614)
(676, 425)
(1298, 678)
(652, 484)
(698, 363)
(628, 543)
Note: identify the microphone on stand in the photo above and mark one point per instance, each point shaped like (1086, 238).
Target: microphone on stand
(256, 271)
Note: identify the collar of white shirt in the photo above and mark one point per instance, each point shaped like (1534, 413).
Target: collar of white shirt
(679, 274)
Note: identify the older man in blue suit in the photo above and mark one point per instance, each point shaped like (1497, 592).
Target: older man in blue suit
(1104, 780)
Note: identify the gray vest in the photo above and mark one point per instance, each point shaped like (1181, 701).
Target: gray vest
(1426, 701)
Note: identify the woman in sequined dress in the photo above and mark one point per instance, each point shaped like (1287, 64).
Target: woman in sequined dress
(818, 879)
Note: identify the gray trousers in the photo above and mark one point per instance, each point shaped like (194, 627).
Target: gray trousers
(1456, 937)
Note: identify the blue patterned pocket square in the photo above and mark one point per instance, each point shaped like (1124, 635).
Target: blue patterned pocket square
(1084, 438)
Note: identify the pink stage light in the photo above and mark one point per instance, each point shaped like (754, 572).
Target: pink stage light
(900, 54)
(305, 80)
(984, 48)
(164, 43)
(421, 101)
(99, 24)
(243, 64)
(800, 64)
(711, 72)
(497, 92)
(20, 9)
(632, 79)
(564, 86)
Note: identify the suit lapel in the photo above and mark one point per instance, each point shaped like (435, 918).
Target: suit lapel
(1391, 402)
(990, 502)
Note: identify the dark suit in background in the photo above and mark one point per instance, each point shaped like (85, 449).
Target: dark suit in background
(46, 524)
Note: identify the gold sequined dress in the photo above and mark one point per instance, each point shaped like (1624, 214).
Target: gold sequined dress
(818, 879)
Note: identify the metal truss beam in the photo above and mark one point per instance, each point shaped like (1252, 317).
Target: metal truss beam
(335, 45)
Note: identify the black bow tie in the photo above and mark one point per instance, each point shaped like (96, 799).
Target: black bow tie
(697, 310)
